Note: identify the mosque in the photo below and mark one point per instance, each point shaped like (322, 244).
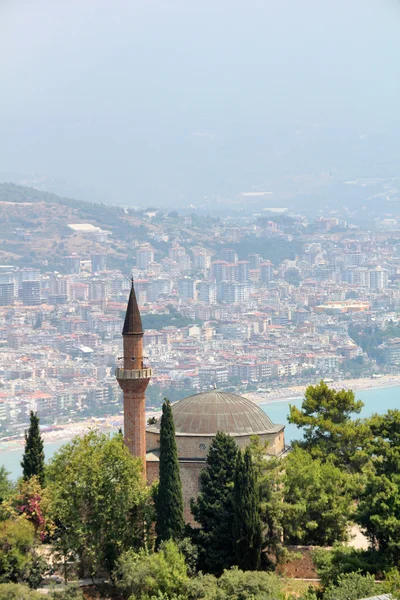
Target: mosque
(197, 418)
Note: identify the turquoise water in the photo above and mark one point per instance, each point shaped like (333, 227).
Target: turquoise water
(378, 400)
(375, 400)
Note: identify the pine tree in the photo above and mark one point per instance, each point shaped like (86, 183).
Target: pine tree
(247, 528)
(213, 507)
(170, 523)
(33, 459)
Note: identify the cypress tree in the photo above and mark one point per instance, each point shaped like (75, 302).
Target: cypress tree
(213, 507)
(33, 459)
(170, 523)
(247, 528)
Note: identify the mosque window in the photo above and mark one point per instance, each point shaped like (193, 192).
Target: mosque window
(202, 446)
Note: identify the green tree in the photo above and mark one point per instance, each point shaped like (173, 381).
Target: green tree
(353, 586)
(99, 502)
(247, 529)
(269, 470)
(213, 508)
(326, 417)
(379, 507)
(248, 585)
(317, 500)
(19, 561)
(342, 560)
(33, 459)
(14, 591)
(6, 486)
(170, 523)
(161, 574)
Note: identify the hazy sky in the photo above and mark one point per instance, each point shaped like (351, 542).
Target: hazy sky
(176, 99)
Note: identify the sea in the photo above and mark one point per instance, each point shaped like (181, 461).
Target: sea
(377, 400)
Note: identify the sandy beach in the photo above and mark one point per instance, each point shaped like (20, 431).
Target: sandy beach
(297, 391)
(67, 431)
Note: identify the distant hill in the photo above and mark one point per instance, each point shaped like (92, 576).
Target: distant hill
(34, 228)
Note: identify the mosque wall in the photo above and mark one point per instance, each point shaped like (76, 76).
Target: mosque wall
(196, 447)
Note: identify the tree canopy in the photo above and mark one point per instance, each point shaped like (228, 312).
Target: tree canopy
(98, 501)
(327, 419)
(33, 459)
(379, 507)
(317, 500)
(247, 527)
(213, 507)
(170, 523)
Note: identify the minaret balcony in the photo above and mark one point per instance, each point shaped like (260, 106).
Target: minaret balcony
(132, 373)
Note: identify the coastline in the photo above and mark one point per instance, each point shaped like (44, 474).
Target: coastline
(298, 391)
(67, 431)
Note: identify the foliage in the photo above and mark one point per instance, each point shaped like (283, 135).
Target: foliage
(18, 559)
(13, 591)
(293, 276)
(352, 586)
(275, 250)
(32, 501)
(247, 529)
(144, 576)
(6, 486)
(379, 507)
(234, 584)
(317, 500)
(171, 319)
(213, 507)
(98, 501)
(342, 560)
(329, 429)
(169, 502)
(269, 471)
(70, 592)
(372, 336)
(33, 459)
(191, 553)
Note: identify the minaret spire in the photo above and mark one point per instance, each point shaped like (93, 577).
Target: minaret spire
(133, 321)
(133, 379)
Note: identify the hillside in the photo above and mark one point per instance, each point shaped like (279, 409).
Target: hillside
(34, 227)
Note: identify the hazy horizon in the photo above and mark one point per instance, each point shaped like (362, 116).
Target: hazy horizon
(149, 102)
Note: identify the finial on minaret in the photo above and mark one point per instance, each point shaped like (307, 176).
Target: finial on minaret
(133, 321)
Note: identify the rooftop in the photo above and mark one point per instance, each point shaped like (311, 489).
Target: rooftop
(209, 412)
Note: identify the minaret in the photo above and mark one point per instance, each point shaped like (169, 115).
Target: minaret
(133, 380)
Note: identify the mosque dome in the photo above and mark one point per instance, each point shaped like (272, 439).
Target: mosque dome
(209, 412)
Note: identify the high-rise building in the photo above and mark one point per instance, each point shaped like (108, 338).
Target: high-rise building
(208, 292)
(99, 289)
(229, 255)
(243, 271)
(159, 287)
(99, 262)
(378, 278)
(31, 294)
(175, 252)
(255, 261)
(266, 271)
(201, 260)
(354, 259)
(218, 270)
(133, 379)
(59, 289)
(185, 264)
(72, 264)
(187, 288)
(7, 293)
(144, 257)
